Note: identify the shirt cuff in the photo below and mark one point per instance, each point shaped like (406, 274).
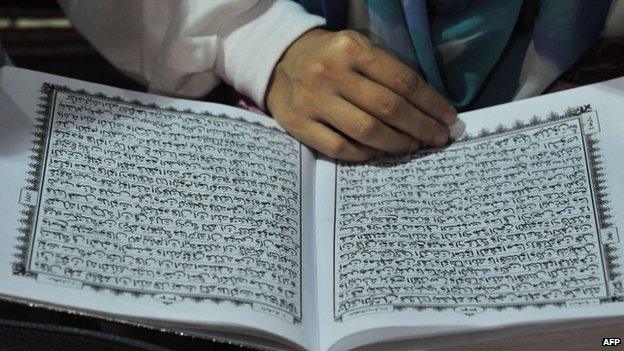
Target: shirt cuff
(253, 43)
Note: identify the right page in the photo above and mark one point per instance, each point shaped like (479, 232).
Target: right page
(518, 222)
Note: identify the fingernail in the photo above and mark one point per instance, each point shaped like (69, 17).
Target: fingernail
(414, 146)
(449, 117)
(457, 129)
(440, 139)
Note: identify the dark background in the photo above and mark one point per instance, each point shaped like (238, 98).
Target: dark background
(59, 51)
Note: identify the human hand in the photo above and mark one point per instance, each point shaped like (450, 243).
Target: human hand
(341, 95)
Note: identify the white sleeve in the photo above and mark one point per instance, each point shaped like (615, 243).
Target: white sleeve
(184, 47)
(614, 25)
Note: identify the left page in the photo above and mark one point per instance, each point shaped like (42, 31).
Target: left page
(143, 208)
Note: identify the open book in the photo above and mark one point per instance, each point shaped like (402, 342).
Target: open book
(209, 220)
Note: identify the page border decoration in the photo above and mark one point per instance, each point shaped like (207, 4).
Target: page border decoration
(35, 175)
(602, 212)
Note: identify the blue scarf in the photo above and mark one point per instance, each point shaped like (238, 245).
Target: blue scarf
(467, 49)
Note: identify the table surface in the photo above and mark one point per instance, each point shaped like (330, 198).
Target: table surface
(578, 339)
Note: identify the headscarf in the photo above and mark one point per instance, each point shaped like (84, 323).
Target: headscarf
(472, 51)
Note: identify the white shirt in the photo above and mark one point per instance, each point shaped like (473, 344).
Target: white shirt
(185, 47)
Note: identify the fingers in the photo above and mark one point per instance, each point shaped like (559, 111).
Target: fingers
(339, 94)
(394, 110)
(333, 144)
(384, 69)
(364, 128)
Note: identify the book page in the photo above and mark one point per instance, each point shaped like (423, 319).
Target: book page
(516, 219)
(173, 206)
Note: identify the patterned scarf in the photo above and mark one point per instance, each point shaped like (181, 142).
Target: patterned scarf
(478, 52)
